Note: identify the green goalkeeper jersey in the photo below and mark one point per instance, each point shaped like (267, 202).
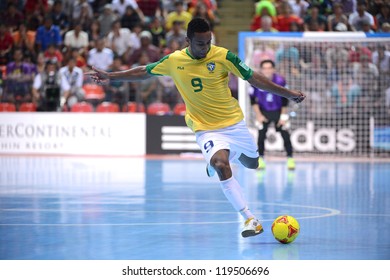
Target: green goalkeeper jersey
(203, 84)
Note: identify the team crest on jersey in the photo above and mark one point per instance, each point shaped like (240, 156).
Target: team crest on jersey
(211, 66)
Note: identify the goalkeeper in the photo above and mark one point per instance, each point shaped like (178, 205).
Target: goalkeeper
(269, 107)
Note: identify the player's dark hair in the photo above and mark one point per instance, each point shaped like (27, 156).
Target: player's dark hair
(267, 61)
(197, 25)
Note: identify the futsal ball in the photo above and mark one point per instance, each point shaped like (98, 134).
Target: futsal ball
(285, 229)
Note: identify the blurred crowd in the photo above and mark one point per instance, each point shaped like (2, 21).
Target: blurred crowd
(370, 16)
(342, 77)
(47, 45)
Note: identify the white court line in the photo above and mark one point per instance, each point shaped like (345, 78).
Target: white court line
(127, 211)
(331, 212)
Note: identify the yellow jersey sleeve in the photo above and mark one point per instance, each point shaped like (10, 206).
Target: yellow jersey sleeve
(203, 85)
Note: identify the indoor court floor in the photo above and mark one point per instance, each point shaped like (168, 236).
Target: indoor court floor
(88, 208)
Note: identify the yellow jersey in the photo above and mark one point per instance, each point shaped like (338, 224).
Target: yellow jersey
(203, 84)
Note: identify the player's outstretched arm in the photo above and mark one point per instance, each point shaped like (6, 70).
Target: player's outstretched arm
(260, 81)
(133, 74)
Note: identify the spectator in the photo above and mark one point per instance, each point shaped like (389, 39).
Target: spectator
(85, 17)
(385, 27)
(158, 32)
(314, 21)
(19, 80)
(24, 39)
(119, 6)
(106, 19)
(46, 88)
(367, 27)
(356, 52)
(211, 5)
(77, 38)
(287, 53)
(168, 6)
(295, 27)
(345, 93)
(171, 47)
(80, 60)
(315, 82)
(262, 52)
(264, 11)
(374, 6)
(59, 18)
(348, 6)
(6, 43)
(117, 91)
(324, 6)
(381, 58)
(151, 51)
(202, 11)
(130, 19)
(35, 6)
(287, 60)
(299, 7)
(147, 89)
(12, 17)
(177, 33)
(100, 56)
(336, 18)
(78, 7)
(93, 33)
(135, 36)
(366, 75)
(71, 84)
(119, 40)
(265, 4)
(383, 16)
(357, 18)
(67, 8)
(179, 14)
(333, 55)
(285, 19)
(40, 62)
(47, 34)
(266, 25)
(52, 53)
(150, 8)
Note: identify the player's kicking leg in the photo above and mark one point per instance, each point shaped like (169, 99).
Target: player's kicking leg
(219, 148)
(252, 226)
(233, 192)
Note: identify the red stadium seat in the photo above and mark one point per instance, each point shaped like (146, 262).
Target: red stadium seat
(27, 107)
(107, 107)
(132, 107)
(93, 92)
(158, 108)
(3, 70)
(82, 107)
(7, 107)
(180, 109)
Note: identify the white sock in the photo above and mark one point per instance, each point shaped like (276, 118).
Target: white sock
(233, 192)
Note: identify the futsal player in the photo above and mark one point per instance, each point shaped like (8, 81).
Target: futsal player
(269, 107)
(200, 72)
